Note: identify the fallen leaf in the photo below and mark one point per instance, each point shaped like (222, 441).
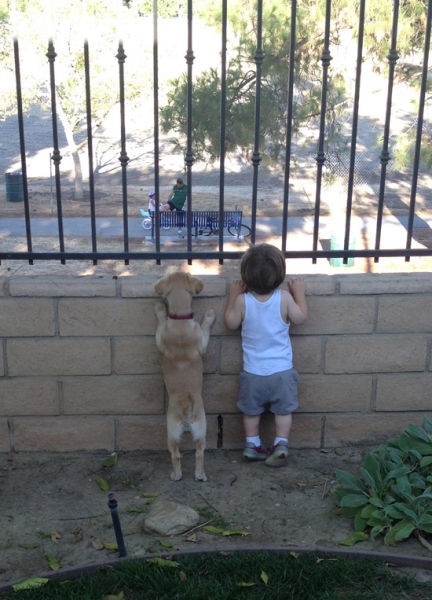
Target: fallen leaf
(111, 546)
(111, 461)
(77, 535)
(354, 538)
(182, 576)
(53, 562)
(166, 545)
(29, 546)
(56, 536)
(44, 534)
(103, 484)
(119, 596)
(31, 583)
(150, 494)
(295, 554)
(163, 562)
(264, 577)
(245, 584)
(191, 538)
(97, 545)
(223, 532)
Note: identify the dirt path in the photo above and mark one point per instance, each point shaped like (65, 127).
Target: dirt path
(54, 511)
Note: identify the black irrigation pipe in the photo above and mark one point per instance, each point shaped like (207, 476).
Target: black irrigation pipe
(391, 559)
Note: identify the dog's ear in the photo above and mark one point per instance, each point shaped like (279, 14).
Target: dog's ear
(196, 284)
(160, 286)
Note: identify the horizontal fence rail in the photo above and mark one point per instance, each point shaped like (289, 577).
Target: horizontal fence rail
(323, 156)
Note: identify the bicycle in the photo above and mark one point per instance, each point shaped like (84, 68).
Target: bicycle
(212, 228)
(147, 221)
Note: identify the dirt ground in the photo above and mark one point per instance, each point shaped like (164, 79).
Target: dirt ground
(55, 515)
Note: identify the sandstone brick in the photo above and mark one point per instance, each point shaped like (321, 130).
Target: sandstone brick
(319, 285)
(405, 314)
(338, 314)
(114, 395)
(231, 355)
(305, 432)
(21, 317)
(78, 356)
(58, 286)
(374, 354)
(211, 357)
(63, 434)
(4, 436)
(335, 393)
(136, 355)
(141, 432)
(28, 396)
(220, 393)
(386, 283)
(307, 353)
(101, 316)
(405, 392)
(373, 429)
(138, 287)
(201, 305)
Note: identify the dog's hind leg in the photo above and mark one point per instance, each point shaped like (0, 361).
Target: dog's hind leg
(173, 441)
(198, 431)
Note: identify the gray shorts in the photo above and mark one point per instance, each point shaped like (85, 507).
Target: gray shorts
(277, 392)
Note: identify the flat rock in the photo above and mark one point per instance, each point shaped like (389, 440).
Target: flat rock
(170, 518)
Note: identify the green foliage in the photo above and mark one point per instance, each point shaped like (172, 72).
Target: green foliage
(392, 493)
(242, 77)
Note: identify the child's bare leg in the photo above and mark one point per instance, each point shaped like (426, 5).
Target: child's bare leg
(283, 425)
(251, 425)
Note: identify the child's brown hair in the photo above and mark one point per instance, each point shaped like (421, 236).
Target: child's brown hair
(262, 268)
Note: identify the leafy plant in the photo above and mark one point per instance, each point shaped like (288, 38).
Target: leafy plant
(392, 493)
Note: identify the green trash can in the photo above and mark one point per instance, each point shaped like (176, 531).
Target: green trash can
(336, 243)
(14, 186)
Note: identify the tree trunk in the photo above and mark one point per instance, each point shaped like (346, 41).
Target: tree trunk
(78, 180)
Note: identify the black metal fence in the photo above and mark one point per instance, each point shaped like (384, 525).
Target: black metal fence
(322, 157)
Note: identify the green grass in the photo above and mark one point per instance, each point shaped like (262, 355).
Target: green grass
(237, 576)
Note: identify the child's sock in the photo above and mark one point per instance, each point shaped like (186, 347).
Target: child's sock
(280, 440)
(255, 440)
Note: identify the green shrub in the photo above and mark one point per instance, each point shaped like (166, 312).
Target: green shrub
(392, 493)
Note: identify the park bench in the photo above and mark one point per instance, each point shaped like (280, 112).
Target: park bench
(203, 222)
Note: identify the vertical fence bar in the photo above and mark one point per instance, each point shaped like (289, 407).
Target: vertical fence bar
(256, 157)
(223, 125)
(22, 147)
(423, 89)
(90, 148)
(385, 155)
(56, 156)
(289, 121)
(156, 123)
(123, 158)
(354, 128)
(189, 159)
(320, 157)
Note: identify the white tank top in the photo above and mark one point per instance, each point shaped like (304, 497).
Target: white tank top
(265, 336)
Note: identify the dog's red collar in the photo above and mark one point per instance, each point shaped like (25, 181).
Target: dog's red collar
(181, 317)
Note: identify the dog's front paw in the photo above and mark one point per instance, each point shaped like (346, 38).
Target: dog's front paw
(160, 311)
(200, 477)
(209, 317)
(176, 476)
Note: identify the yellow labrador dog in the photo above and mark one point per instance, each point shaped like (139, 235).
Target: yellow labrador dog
(183, 341)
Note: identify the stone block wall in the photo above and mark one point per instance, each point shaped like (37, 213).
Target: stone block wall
(79, 368)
